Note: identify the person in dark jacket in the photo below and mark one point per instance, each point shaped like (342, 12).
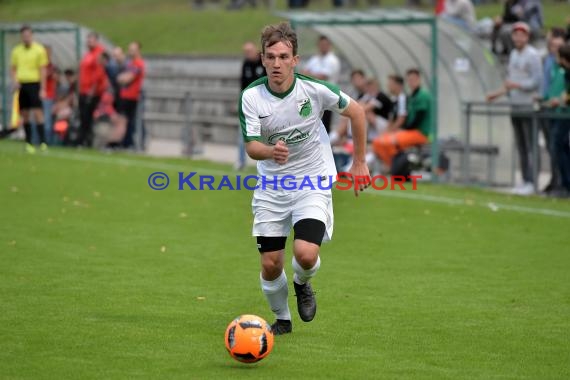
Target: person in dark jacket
(251, 70)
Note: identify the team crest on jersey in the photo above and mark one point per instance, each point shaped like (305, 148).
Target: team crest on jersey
(304, 107)
(341, 102)
(289, 138)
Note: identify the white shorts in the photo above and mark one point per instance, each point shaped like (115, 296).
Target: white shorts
(276, 211)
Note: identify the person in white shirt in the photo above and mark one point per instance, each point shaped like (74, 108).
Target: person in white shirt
(399, 109)
(280, 120)
(461, 13)
(324, 66)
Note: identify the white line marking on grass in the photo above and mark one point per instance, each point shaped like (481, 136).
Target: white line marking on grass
(76, 156)
(488, 205)
(133, 162)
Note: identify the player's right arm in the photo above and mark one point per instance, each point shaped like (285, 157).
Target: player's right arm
(251, 131)
(259, 151)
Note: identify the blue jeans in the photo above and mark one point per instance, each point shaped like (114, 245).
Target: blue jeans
(561, 149)
(48, 120)
(459, 22)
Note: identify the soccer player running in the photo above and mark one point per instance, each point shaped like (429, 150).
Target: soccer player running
(280, 117)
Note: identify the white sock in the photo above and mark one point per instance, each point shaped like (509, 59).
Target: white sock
(276, 292)
(303, 275)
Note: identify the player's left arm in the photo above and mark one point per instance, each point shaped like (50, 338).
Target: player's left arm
(335, 100)
(359, 169)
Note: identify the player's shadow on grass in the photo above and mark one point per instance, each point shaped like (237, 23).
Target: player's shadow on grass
(242, 366)
(235, 365)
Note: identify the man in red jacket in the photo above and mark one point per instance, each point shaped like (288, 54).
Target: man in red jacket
(131, 82)
(92, 85)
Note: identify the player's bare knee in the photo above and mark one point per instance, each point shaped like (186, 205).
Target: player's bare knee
(271, 270)
(271, 250)
(306, 253)
(271, 260)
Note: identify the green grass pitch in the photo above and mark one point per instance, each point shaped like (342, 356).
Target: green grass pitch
(103, 278)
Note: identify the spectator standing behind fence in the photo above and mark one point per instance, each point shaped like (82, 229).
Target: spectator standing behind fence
(461, 13)
(561, 131)
(91, 87)
(251, 70)
(324, 66)
(29, 61)
(417, 128)
(524, 78)
(114, 64)
(131, 81)
(552, 87)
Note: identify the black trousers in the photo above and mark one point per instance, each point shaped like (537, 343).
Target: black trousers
(129, 110)
(561, 149)
(87, 105)
(522, 128)
(547, 126)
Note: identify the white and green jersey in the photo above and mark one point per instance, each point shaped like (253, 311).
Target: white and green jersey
(294, 117)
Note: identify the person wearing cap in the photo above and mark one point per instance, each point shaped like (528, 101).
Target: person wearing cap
(524, 80)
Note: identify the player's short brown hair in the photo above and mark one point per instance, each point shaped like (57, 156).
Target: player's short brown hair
(357, 72)
(282, 32)
(413, 71)
(25, 28)
(397, 79)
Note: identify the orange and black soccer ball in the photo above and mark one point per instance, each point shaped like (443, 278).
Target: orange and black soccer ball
(249, 338)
